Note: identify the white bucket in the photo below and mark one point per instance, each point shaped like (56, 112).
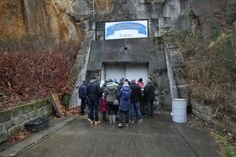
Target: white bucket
(179, 110)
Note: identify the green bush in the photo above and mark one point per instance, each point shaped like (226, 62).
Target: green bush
(223, 139)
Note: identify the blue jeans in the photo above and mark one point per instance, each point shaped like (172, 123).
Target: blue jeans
(135, 109)
(121, 116)
(93, 109)
(150, 108)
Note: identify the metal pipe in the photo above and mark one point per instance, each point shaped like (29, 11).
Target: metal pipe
(93, 9)
(173, 89)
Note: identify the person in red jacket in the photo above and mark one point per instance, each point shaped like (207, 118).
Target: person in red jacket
(141, 84)
(142, 104)
(103, 107)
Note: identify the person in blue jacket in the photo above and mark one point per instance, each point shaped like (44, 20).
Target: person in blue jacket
(124, 107)
(83, 97)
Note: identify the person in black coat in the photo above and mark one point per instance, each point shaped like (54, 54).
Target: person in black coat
(135, 97)
(149, 97)
(94, 93)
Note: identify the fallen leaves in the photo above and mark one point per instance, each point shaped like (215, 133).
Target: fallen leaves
(19, 136)
(31, 73)
(69, 112)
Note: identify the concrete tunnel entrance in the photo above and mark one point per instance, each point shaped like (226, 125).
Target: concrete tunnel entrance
(124, 56)
(131, 59)
(119, 51)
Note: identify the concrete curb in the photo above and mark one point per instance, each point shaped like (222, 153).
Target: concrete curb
(35, 139)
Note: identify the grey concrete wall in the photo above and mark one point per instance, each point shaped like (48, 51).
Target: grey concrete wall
(210, 115)
(81, 68)
(112, 51)
(13, 120)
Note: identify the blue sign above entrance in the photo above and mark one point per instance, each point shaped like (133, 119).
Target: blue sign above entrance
(126, 29)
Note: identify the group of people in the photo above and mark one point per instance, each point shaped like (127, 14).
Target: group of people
(122, 102)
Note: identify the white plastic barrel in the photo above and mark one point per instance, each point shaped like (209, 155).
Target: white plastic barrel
(179, 110)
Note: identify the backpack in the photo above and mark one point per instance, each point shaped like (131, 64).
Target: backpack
(111, 91)
(82, 92)
(99, 92)
(125, 93)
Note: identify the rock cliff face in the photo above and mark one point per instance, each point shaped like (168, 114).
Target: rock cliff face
(66, 20)
(51, 18)
(12, 21)
(172, 13)
(46, 18)
(212, 15)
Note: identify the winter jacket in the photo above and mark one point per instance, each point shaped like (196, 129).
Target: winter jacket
(149, 94)
(103, 104)
(82, 91)
(110, 92)
(93, 90)
(141, 85)
(136, 93)
(119, 87)
(124, 104)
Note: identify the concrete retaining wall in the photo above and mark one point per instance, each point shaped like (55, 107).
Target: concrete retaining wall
(13, 120)
(80, 68)
(203, 112)
(207, 114)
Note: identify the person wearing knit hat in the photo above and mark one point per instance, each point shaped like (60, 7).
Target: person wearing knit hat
(135, 101)
(142, 104)
(149, 97)
(94, 94)
(111, 94)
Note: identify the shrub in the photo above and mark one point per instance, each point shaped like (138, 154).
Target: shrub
(211, 67)
(33, 68)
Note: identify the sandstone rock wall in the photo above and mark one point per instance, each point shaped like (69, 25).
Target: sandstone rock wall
(51, 18)
(104, 6)
(46, 18)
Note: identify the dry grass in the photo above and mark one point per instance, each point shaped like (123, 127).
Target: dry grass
(211, 68)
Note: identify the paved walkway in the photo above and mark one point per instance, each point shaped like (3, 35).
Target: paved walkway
(152, 138)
